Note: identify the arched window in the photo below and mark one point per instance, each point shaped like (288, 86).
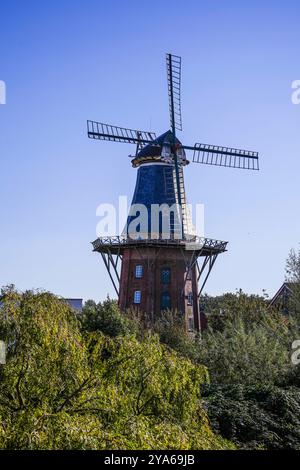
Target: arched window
(165, 301)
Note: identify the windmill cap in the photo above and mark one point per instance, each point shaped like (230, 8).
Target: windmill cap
(160, 151)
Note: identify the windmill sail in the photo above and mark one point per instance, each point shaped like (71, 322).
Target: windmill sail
(174, 90)
(101, 131)
(224, 156)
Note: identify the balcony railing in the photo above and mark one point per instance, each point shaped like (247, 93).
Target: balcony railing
(193, 243)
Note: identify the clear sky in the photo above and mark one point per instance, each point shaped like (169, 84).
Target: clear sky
(67, 61)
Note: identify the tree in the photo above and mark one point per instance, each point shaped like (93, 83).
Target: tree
(46, 368)
(224, 309)
(171, 328)
(293, 266)
(253, 399)
(252, 345)
(62, 388)
(106, 317)
(293, 277)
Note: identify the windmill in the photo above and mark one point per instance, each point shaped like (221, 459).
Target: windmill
(161, 272)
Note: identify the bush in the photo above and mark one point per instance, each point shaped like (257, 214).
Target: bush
(255, 417)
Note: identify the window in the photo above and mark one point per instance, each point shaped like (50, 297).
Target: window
(139, 271)
(165, 275)
(166, 151)
(165, 301)
(191, 324)
(137, 297)
(190, 298)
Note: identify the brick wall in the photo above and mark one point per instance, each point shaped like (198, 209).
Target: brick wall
(151, 286)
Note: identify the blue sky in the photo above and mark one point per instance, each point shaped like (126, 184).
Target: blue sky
(67, 61)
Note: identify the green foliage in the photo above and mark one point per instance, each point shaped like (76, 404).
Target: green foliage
(151, 396)
(119, 381)
(250, 345)
(224, 309)
(255, 417)
(247, 343)
(253, 399)
(293, 277)
(64, 389)
(106, 317)
(254, 396)
(293, 266)
(171, 328)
